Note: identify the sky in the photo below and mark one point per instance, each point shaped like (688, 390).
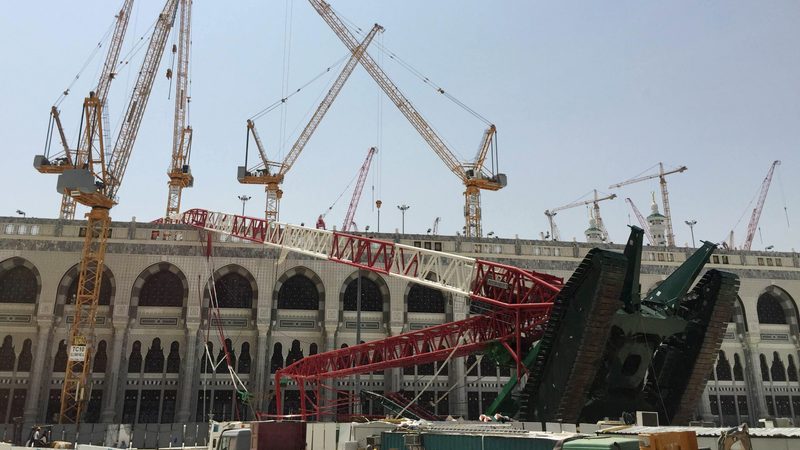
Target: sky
(583, 94)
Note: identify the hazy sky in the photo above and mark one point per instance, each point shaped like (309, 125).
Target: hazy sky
(584, 94)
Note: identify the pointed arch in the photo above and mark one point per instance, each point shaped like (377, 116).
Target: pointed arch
(776, 307)
(20, 281)
(723, 368)
(161, 284)
(423, 299)
(68, 288)
(299, 288)
(235, 287)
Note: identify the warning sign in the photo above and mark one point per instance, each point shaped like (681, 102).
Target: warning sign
(77, 351)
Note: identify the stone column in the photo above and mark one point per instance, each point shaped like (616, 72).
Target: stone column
(114, 377)
(457, 376)
(260, 367)
(188, 374)
(757, 389)
(34, 408)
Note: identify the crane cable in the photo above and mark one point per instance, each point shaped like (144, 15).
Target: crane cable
(287, 58)
(406, 65)
(88, 60)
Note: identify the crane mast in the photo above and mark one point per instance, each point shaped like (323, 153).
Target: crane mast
(362, 176)
(96, 186)
(661, 175)
(551, 213)
(642, 221)
(261, 174)
(180, 176)
(753, 225)
(67, 207)
(473, 179)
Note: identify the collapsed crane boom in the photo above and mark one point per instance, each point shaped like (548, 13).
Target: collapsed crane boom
(472, 174)
(362, 176)
(661, 175)
(180, 175)
(754, 218)
(261, 173)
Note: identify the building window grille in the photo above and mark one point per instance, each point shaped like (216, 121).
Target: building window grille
(234, 291)
(778, 262)
(149, 405)
(100, 358)
(713, 404)
(371, 298)
(427, 245)
(129, 406)
(25, 357)
(725, 259)
(741, 401)
(791, 369)
(422, 299)
(760, 261)
(796, 405)
(222, 360)
(770, 310)
(105, 291)
(471, 367)
(206, 364)
(783, 406)
(168, 406)
(135, 359)
(298, 292)
(8, 358)
(770, 262)
(715, 259)
(18, 285)
(295, 353)
(437, 246)
(764, 367)
(174, 358)
(60, 360)
(244, 359)
(723, 367)
(277, 358)
(94, 406)
(162, 289)
(777, 370)
(727, 405)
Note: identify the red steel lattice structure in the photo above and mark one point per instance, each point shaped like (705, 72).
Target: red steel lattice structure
(517, 302)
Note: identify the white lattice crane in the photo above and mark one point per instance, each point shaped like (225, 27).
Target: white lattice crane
(271, 173)
(95, 185)
(472, 174)
(753, 225)
(362, 176)
(91, 119)
(594, 201)
(661, 175)
(642, 221)
(180, 175)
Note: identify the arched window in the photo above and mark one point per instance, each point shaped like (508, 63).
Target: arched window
(244, 359)
(174, 358)
(60, 360)
(18, 285)
(471, 367)
(25, 357)
(154, 360)
(8, 358)
(100, 358)
(770, 310)
(105, 290)
(312, 349)
(222, 362)
(295, 353)
(778, 371)
(764, 367)
(371, 298)
(298, 292)
(277, 358)
(423, 299)
(135, 358)
(488, 367)
(791, 369)
(162, 289)
(738, 370)
(723, 367)
(425, 369)
(234, 291)
(206, 365)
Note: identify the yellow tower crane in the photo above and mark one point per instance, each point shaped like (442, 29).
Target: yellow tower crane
(472, 175)
(77, 158)
(180, 176)
(270, 173)
(95, 185)
(661, 175)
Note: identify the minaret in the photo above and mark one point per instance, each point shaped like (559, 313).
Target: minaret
(657, 222)
(594, 235)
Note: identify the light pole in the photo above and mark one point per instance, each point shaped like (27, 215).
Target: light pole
(403, 208)
(691, 224)
(21, 213)
(244, 199)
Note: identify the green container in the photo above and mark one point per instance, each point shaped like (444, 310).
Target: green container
(436, 441)
(603, 443)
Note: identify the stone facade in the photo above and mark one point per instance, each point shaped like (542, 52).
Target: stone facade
(151, 364)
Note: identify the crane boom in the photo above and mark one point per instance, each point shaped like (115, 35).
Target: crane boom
(642, 221)
(551, 213)
(753, 225)
(362, 176)
(180, 176)
(96, 186)
(661, 175)
(473, 180)
(271, 179)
